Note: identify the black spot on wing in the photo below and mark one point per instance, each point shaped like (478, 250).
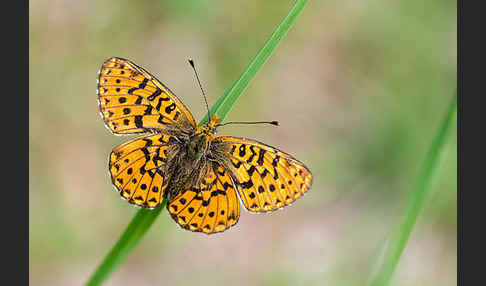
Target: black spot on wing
(131, 90)
(237, 164)
(242, 150)
(253, 153)
(251, 170)
(143, 83)
(148, 110)
(170, 108)
(226, 185)
(138, 121)
(217, 192)
(160, 102)
(148, 142)
(139, 100)
(275, 161)
(264, 173)
(140, 86)
(156, 93)
(261, 154)
(248, 184)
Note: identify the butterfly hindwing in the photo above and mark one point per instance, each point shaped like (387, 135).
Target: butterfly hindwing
(209, 206)
(133, 101)
(266, 178)
(139, 168)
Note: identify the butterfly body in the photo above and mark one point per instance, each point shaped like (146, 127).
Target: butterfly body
(199, 143)
(203, 177)
(188, 165)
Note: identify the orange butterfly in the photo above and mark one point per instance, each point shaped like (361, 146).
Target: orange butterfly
(200, 175)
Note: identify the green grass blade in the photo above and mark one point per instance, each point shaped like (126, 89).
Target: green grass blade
(226, 101)
(420, 193)
(144, 218)
(125, 244)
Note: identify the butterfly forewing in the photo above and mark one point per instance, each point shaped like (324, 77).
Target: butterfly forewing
(266, 178)
(209, 206)
(133, 101)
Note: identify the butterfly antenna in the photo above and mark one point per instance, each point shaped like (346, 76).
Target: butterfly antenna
(191, 62)
(276, 123)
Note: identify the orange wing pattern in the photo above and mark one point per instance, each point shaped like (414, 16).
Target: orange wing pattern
(266, 178)
(139, 168)
(131, 100)
(211, 206)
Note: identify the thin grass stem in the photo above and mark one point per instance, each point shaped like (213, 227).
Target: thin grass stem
(421, 191)
(144, 218)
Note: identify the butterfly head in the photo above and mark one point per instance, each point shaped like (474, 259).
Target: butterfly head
(213, 123)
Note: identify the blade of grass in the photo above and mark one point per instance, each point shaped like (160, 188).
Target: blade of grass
(127, 241)
(142, 221)
(226, 101)
(416, 204)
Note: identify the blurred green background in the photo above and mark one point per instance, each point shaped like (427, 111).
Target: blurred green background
(359, 87)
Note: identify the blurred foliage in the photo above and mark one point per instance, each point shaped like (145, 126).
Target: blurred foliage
(358, 87)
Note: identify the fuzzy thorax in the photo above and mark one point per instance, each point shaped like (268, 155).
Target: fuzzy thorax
(200, 141)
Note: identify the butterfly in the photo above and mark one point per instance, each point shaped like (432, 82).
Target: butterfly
(203, 177)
